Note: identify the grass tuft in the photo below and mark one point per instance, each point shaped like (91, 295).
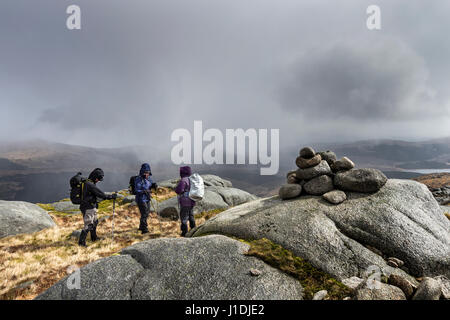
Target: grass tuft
(312, 279)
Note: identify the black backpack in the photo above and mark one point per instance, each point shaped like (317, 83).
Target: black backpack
(132, 185)
(77, 188)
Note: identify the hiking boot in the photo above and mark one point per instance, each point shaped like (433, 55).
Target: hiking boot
(94, 236)
(145, 231)
(82, 239)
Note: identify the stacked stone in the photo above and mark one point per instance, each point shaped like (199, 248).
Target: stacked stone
(321, 174)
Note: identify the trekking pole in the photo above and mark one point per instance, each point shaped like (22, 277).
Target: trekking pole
(155, 208)
(157, 215)
(114, 210)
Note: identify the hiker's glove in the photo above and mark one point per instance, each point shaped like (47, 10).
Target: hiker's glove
(155, 186)
(112, 196)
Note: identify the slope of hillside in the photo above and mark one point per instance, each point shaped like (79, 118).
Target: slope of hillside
(435, 180)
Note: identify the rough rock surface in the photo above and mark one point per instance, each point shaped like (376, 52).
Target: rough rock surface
(292, 179)
(331, 237)
(335, 196)
(379, 291)
(307, 153)
(215, 268)
(18, 217)
(211, 267)
(319, 185)
(109, 278)
(208, 180)
(328, 156)
(233, 196)
(353, 282)
(308, 163)
(289, 191)
(360, 180)
(320, 295)
(309, 173)
(428, 289)
(129, 199)
(343, 164)
(445, 286)
(215, 197)
(402, 283)
(67, 207)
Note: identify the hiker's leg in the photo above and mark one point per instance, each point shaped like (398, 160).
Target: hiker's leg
(94, 226)
(144, 210)
(87, 219)
(184, 217)
(191, 218)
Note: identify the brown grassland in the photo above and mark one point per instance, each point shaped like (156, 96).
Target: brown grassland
(31, 263)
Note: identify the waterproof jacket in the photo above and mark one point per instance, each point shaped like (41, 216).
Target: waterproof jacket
(183, 188)
(142, 185)
(91, 196)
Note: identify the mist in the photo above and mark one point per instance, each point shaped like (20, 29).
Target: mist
(138, 70)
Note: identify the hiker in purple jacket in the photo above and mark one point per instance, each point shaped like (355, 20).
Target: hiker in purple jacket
(186, 203)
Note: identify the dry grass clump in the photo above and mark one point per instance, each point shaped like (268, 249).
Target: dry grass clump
(435, 180)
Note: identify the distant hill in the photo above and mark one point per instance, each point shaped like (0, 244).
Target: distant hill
(396, 154)
(39, 155)
(435, 180)
(38, 171)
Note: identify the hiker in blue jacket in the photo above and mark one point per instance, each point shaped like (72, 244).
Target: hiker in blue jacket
(143, 184)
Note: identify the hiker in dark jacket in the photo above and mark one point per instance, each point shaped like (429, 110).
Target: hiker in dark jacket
(186, 203)
(143, 184)
(89, 205)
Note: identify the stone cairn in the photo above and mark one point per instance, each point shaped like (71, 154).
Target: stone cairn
(321, 174)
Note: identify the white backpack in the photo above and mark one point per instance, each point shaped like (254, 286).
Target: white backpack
(197, 188)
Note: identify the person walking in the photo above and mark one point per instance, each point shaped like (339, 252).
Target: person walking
(186, 203)
(89, 205)
(143, 184)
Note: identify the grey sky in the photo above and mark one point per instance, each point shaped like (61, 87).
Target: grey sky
(139, 69)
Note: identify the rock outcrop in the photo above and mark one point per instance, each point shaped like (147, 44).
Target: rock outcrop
(210, 267)
(17, 217)
(219, 194)
(401, 220)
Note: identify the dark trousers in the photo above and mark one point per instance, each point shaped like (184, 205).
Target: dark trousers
(144, 209)
(186, 214)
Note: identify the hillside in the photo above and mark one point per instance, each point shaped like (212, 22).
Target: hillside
(435, 180)
(397, 154)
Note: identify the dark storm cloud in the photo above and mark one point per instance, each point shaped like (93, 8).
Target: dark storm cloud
(137, 70)
(362, 80)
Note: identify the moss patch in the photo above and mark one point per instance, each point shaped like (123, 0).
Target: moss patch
(312, 279)
(209, 214)
(46, 207)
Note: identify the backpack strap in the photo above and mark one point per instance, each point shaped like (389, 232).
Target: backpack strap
(187, 188)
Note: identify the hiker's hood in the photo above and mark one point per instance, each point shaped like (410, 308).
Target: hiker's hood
(97, 173)
(185, 171)
(145, 167)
